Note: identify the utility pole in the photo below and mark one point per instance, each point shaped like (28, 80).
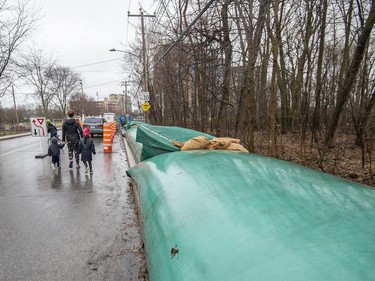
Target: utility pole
(15, 109)
(82, 109)
(145, 73)
(125, 84)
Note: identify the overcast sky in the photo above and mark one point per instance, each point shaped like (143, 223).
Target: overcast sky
(79, 33)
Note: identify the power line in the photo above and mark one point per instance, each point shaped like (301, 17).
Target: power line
(183, 34)
(103, 84)
(110, 70)
(164, 9)
(96, 63)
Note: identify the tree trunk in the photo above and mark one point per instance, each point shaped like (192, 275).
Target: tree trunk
(253, 46)
(281, 81)
(350, 76)
(227, 47)
(297, 85)
(318, 89)
(275, 67)
(364, 120)
(242, 102)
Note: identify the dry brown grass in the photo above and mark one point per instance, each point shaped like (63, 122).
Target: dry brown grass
(344, 160)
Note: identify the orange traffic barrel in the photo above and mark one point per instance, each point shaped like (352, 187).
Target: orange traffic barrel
(107, 137)
(113, 128)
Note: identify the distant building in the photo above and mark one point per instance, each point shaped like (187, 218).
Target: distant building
(113, 103)
(117, 104)
(100, 106)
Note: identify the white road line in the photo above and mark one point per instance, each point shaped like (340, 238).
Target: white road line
(19, 149)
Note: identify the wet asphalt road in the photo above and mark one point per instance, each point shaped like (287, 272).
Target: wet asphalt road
(66, 225)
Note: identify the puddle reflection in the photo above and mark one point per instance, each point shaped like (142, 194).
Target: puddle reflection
(108, 164)
(75, 178)
(56, 179)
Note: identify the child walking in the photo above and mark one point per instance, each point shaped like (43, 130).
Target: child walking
(54, 152)
(86, 148)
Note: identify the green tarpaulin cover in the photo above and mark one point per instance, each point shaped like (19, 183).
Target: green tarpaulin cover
(135, 147)
(151, 140)
(222, 215)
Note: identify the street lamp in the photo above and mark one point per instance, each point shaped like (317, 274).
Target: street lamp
(125, 84)
(115, 50)
(122, 51)
(145, 76)
(80, 82)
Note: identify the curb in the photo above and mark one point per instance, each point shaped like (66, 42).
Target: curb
(14, 136)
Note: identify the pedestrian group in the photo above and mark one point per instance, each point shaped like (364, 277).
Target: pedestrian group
(78, 142)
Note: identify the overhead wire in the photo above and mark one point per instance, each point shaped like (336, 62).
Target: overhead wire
(171, 19)
(107, 70)
(180, 38)
(184, 33)
(127, 26)
(87, 87)
(96, 63)
(159, 16)
(164, 7)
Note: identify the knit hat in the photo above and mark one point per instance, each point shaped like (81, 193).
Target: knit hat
(86, 131)
(54, 140)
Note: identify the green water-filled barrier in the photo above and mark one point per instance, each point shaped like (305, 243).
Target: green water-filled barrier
(220, 215)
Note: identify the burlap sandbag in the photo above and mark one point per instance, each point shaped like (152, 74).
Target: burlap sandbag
(222, 143)
(199, 142)
(236, 147)
(178, 144)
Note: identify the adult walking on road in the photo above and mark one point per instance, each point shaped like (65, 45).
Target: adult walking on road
(71, 134)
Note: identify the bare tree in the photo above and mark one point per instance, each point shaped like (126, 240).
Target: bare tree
(275, 68)
(318, 90)
(17, 20)
(254, 41)
(37, 73)
(227, 69)
(350, 75)
(81, 103)
(64, 82)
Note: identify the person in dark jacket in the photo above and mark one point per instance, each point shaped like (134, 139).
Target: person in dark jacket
(51, 129)
(71, 134)
(54, 152)
(86, 148)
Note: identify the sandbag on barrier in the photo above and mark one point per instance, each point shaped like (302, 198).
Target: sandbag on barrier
(159, 139)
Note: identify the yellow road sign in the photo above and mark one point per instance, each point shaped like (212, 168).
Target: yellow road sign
(146, 106)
